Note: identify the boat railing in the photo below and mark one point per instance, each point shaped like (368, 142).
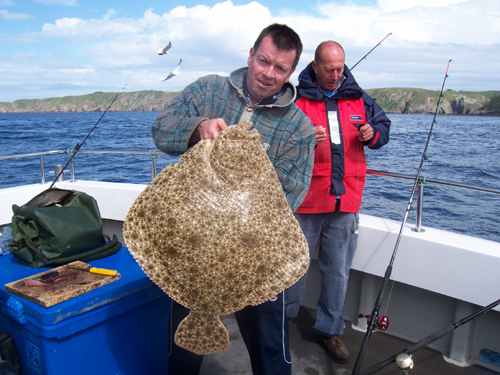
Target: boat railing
(155, 153)
(422, 181)
(152, 153)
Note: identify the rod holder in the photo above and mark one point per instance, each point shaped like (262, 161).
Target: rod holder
(42, 170)
(420, 205)
(154, 157)
(58, 168)
(72, 168)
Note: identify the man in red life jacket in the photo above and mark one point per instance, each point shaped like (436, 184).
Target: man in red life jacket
(345, 119)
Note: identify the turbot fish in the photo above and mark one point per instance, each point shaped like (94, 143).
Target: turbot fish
(215, 232)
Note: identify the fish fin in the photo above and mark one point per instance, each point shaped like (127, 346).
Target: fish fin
(202, 334)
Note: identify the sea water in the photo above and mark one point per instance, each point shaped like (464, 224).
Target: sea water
(462, 150)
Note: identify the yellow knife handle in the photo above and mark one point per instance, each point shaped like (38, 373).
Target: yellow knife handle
(103, 271)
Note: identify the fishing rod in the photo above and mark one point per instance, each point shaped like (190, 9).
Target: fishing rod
(78, 145)
(364, 57)
(379, 112)
(404, 359)
(373, 319)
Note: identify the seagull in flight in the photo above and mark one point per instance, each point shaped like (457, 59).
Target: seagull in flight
(174, 72)
(164, 51)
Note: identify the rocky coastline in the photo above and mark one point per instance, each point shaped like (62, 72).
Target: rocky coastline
(393, 100)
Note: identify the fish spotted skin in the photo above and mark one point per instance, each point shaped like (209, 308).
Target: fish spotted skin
(216, 233)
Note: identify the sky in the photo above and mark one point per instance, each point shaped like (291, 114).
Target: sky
(54, 48)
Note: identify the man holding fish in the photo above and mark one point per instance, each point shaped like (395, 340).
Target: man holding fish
(261, 94)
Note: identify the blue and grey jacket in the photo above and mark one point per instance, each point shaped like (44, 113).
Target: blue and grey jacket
(284, 129)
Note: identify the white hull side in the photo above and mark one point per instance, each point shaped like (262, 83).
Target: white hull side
(439, 277)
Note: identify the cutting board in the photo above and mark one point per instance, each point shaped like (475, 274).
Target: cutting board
(58, 284)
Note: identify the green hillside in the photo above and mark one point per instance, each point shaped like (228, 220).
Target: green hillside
(394, 100)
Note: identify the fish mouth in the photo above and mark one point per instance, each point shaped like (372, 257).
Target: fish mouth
(239, 132)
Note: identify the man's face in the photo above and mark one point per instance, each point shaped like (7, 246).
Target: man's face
(329, 70)
(268, 70)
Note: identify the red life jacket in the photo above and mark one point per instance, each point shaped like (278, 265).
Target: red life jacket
(319, 199)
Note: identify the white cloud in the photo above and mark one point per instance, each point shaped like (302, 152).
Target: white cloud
(460, 23)
(6, 2)
(77, 29)
(206, 33)
(224, 29)
(5, 14)
(396, 5)
(420, 21)
(29, 67)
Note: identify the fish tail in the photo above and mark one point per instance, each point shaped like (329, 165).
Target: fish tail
(201, 334)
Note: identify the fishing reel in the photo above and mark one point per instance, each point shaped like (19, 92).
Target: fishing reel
(405, 362)
(382, 322)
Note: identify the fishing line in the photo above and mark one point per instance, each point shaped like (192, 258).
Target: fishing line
(364, 57)
(391, 290)
(369, 122)
(378, 113)
(374, 116)
(373, 318)
(78, 145)
(381, 111)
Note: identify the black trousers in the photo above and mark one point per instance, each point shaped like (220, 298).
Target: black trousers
(264, 329)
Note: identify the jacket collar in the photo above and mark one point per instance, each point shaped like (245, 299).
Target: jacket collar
(308, 88)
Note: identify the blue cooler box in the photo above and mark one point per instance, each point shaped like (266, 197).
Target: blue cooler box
(118, 328)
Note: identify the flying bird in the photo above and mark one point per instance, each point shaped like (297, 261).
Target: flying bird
(164, 51)
(174, 72)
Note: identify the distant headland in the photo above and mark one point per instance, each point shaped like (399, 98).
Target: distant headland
(395, 100)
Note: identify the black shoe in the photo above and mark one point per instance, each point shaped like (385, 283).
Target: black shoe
(335, 348)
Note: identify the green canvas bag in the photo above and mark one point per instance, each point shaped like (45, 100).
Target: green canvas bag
(57, 227)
